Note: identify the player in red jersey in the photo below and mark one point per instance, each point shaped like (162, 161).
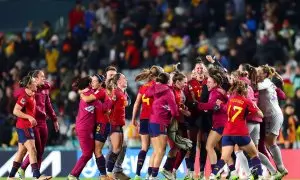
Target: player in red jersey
(146, 104)
(103, 126)
(219, 118)
(198, 126)
(236, 129)
(43, 109)
(25, 110)
(110, 71)
(117, 118)
(175, 154)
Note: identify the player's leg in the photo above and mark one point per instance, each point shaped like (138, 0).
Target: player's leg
(273, 125)
(145, 139)
(181, 153)
(160, 148)
(213, 138)
(247, 145)
(43, 131)
(18, 160)
(116, 138)
(101, 134)
(86, 142)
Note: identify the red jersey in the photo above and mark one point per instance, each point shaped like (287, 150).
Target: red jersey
(146, 101)
(28, 107)
(117, 116)
(237, 110)
(101, 116)
(194, 88)
(179, 99)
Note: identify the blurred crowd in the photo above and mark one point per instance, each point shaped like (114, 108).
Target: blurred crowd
(132, 34)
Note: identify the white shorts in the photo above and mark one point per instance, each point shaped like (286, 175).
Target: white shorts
(273, 124)
(254, 129)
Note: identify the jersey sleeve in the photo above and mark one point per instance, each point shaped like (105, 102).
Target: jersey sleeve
(22, 101)
(252, 107)
(100, 95)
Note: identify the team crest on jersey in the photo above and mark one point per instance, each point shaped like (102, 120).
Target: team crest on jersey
(90, 109)
(23, 101)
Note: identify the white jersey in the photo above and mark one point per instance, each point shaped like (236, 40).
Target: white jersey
(268, 101)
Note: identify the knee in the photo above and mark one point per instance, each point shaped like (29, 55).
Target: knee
(208, 147)
(161, 151)
(32, 150)
(87, 154)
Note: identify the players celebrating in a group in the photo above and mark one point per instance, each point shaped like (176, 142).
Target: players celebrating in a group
(238, 111)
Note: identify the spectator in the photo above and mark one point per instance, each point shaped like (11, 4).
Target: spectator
(289, 126)
(76, 15)
(52, 57)
(90, 16)
(45, 33)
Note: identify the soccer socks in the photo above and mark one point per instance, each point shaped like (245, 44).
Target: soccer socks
(276, 154)
(150, 170)
(140, 162)
(101, 165)
(35, 170)
(240, 156)
(203, 156)
(231, 167)
(111, 162)
(179, 158)
(256, 165)
(190, 160)
(154, 172)
(14, 169)
(265, 161)
(216, 167)
(169, 164)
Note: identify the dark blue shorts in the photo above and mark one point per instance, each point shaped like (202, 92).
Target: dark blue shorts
(157, 129)
(102, 131)
(233, 140)
(25, 134)
(218, 130)
(118, 129)
(144, 129)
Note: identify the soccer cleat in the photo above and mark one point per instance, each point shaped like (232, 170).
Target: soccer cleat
(153, 178)
(201, 176)
(71, 177)
(147, 177)
(43, 177)
(168, 175)
(21, 173)
(121, 176)
(111, 176)
(137, 177)
(212, 177)
(233, 175)
(189, 176)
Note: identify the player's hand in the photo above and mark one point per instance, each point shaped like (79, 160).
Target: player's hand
(222, 91)
(32, 121)
(210, 58)
(219, 102)
(185, 112)
(56, 126)
(134, 122)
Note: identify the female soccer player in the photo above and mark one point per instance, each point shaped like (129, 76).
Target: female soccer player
(85, 125)
(103, 126)
(268, 103)
(150, 75)
(117, 118)
(219, 117)
(176, 155)
(25, 110)
(163, 109)
(236, 131)
(198, 125)
(44, 109)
